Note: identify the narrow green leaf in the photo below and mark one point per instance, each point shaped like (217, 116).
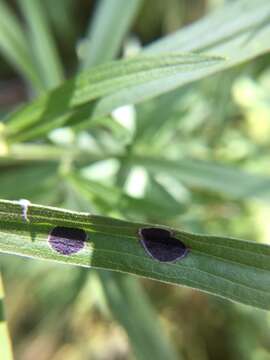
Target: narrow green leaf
(239, 31)
(15, 47)
(242, 25)
(227, 180)
(107, 30)
(131, 308)
(158, 116)
(113, 198)
(42, 41)
(56, 107)
(235, 269)
(61, 13)
(243, 35)
(247, 39)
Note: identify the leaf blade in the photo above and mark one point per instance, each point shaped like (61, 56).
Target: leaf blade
(122, 294)
(102, 44)
(43, 45)
(231, 268)
(226, 180)
(93, 84)
(237, 32)
(14, 46)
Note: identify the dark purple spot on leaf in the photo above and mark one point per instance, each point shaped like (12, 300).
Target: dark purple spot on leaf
(161, 245)
(67, 240)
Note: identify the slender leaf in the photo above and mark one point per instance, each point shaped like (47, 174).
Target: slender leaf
(235, 26)
(160, 115)
(107, 30)
(131, 308)
(15, 47)
(43, 45)
(55, 108)
(61, 13)
(236, 269)
(110, 198)
(227, 180)
(239, 31)
(248, 31)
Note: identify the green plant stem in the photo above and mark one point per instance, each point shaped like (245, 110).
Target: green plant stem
(5, 343)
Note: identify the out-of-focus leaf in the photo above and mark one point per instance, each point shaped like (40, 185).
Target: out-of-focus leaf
(107, 30)
(131, 308)
(229, 181)
(15, 47)
(109, 198)
(54, 108)
(61, 13)
(36, 152)
(23, 154)
(236, 269)
(43, 46)
(5, 344)
(159, 116)
(239, 31)
(33, 181)
(234, 26)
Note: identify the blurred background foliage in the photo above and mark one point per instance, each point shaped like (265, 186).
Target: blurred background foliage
(61, 312)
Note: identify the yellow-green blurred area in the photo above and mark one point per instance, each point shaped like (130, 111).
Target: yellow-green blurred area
(59, 312)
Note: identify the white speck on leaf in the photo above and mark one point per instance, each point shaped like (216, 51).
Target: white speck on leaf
(24, 205)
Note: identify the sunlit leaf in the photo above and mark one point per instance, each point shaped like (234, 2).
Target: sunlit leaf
(55, 108)
(231, 268)
(238, 31)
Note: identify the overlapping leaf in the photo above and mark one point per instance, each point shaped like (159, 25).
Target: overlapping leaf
(238, 32)
(55, 108)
